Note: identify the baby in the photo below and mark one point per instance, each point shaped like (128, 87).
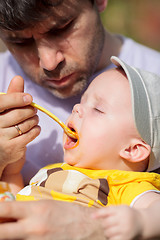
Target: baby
(117, 122)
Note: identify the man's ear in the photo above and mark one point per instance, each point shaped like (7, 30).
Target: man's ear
(137, 151)
(101, 4)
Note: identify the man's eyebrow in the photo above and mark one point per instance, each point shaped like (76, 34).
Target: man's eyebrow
(62, 21)
(17, 39)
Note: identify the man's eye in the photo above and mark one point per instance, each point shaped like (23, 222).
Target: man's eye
(23, 43)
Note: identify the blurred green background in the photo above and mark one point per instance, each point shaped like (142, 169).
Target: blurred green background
(138, 19)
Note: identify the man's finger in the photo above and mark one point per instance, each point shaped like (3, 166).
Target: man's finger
(13, 230)
(13, 209)
(14, 100)
(16, 85)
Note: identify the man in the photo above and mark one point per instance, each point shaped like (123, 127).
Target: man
(57, 46)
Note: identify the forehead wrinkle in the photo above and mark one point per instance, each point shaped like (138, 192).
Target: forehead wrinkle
(18, 35)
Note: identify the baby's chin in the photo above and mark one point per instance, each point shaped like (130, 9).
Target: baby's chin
(70, 160)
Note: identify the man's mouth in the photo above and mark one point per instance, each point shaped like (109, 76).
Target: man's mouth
(61, 82)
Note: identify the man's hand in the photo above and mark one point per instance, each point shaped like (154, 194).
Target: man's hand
(48, 220)
(15, 109)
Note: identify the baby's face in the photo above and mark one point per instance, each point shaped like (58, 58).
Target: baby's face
(104, 123)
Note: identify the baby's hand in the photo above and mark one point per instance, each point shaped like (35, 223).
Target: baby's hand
(120, 222)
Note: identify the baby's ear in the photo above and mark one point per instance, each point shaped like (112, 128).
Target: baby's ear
(137, 151)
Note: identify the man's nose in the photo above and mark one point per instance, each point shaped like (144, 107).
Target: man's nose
(49, 57)
(78, 109)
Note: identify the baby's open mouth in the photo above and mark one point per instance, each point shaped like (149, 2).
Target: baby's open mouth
(71, 142)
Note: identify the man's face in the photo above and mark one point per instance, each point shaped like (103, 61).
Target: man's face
(63, 51)
(104, 123)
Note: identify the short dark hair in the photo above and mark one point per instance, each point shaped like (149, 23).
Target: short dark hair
(20, 14)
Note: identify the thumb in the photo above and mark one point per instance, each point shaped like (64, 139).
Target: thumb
(16, 85)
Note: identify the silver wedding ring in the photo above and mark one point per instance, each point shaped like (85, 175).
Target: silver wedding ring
(18, 129)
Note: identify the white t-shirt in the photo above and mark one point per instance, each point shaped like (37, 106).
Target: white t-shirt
(47, 147)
